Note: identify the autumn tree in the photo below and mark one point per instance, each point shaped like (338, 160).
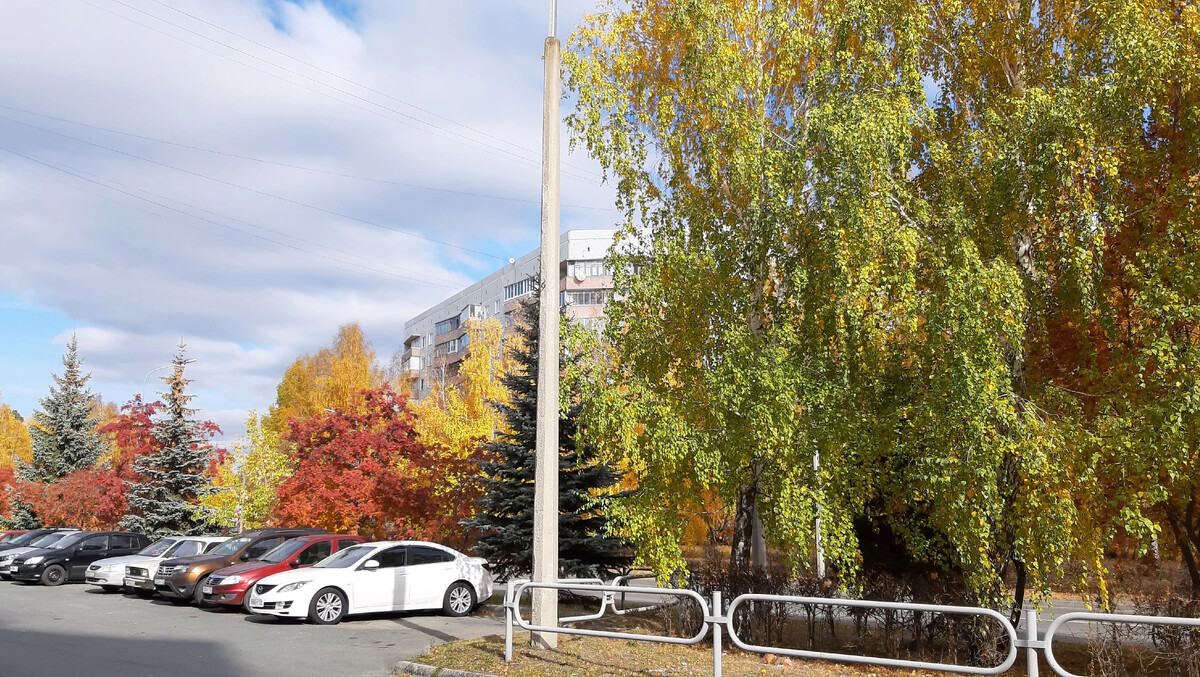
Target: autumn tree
(457, 418)
(165, 498)
(920, 271)
(248, 478)
(333, 378)
(505, 517)
(353, 469)
(88, 499)
(128, 435)
(15, 447)
(63, 432)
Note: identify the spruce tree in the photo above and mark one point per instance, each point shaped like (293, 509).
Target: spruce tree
(63, 433)
(166, 499)
(505, 518)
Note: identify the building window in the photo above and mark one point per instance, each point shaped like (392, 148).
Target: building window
(459, 343)
(587, 297)
(446, 326)
(518, 289)
(581, 270)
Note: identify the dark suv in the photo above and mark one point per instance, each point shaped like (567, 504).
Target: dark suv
(179, 579)
(69, 558)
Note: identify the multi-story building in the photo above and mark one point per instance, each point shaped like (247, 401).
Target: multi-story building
(436, 340)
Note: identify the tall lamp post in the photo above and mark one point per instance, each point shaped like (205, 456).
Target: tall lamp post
(545, 492)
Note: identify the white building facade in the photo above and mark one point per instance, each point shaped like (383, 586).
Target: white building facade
(436, 342)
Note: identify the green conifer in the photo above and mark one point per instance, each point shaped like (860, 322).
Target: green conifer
(505, 519)
(63, 432)
(166, 500)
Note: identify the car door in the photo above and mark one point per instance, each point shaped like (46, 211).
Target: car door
(90, 549)
(375, 589)
(426, 577)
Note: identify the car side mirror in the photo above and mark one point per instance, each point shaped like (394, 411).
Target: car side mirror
(295, 564)
(371, 565)
(245, 557)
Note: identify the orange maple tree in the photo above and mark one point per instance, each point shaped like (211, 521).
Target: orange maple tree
(355, 472)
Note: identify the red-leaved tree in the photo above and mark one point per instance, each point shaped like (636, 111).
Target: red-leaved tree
(88, 499)
(129, 435)
(359, 472)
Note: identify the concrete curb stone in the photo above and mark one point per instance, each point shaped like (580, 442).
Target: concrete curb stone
(420, 670)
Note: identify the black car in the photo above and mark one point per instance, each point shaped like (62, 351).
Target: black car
(28, 537)
(68, 560)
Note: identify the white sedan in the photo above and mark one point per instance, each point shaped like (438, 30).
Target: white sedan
(375, 577)
(113, 573)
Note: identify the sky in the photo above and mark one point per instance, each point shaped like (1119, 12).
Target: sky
(246, 176)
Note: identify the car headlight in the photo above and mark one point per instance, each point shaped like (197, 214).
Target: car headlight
(7, 559)
(294, 586)
(230, 580)
(35, 560)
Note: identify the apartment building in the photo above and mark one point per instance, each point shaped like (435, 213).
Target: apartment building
(436, 341)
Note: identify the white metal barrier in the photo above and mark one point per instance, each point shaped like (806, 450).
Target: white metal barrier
(719, 622)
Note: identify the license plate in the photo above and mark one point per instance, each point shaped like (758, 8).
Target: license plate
(206, 590)
(255, 603)
(160, 581)
(130, 582)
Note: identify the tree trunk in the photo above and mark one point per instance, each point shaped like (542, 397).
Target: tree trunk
(743, 527)
(1188, 542)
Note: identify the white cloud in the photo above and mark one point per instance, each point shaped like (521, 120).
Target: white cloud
(265, 279)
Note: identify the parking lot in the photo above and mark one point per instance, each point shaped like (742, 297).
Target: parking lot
(78, 630)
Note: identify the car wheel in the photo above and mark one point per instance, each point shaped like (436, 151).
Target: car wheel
(459, 600)
(328, 607)
(198, 595)
(54, 575)
(111, 588)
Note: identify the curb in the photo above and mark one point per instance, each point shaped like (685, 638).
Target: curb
(420, 670)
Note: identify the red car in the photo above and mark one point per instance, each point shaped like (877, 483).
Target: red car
(228, 586)
(6, 536)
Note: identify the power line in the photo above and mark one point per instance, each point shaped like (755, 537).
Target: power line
(81, 176)
(454, 136)
(352, 82)
(254, 190)
(288, 165)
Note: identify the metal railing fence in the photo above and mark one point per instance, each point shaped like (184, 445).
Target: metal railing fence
(720, 621)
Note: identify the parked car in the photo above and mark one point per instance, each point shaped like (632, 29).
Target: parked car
(28, 537)
(113, 573)
(228, 586)
(70, 557)
(6, 536)
(178, 579)
(384, 576)
(47, 539)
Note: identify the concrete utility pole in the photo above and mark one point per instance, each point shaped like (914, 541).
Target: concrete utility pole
(545, 491)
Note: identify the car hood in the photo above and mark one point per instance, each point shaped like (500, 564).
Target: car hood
(255, 570)
(143, 561)
(192, 560)
(124, 560)
(39, 552)
(17, 551)
(309, 574)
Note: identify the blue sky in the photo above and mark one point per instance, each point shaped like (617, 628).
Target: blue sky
(248, 175)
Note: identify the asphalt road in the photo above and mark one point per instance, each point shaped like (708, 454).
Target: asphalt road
(78, 630)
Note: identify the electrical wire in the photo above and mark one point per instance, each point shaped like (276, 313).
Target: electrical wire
(70, 171)
(407, 119)
(353, 82)
(288, 165)
(254, 190)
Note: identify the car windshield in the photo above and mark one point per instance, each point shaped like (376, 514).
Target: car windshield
(232, 546)
(50, 540)
(283, 551)
(24, 539)
(67, 540)
(158, 547)
(344, 559)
